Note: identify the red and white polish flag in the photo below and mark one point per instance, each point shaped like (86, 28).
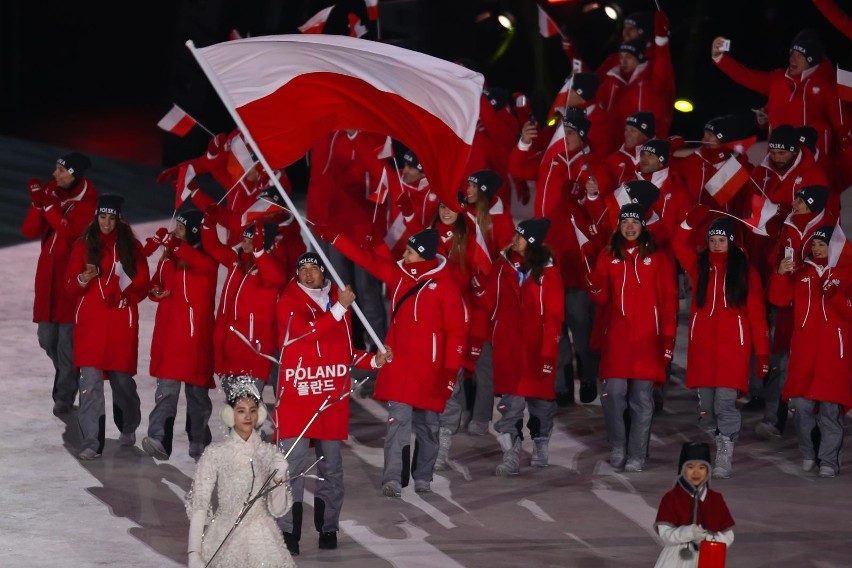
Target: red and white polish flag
(839, 249)
(259, 209)
(177, 122)
(844, 84)
(727, 181)
(546, 26)
(288, 90)
(372, 9)
(762, 210)
(317, 22)
(183, 191)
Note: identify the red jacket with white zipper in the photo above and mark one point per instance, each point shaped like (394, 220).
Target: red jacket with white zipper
(527, 325)
(819, 367)
(640, 318)
(182, 342)
(428, 331)
(315, 366)
(721, 336)
(247, 303)
(58, 228)
(106, 337)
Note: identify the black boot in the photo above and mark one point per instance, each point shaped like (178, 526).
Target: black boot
(588, 390)
(292, 539)
(566, 397)
(328, 540)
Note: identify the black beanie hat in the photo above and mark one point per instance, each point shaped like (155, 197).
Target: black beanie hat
(425, 243)
(814, 196)
(722, 226)
(694, 452)
(632, 211)
(534, 230)
(191, 219)
(660, 148)
(642, 192)
(642, 21)
(823, 233)
(808, 137)
(109, 203)
(585, 85)
(644, 122)
(76, 164)
(272, 195)
(635, 47)
(784, 137)
(487, 181)
(808, 44)
(728, 128)
(310, 258)
(575, 119)
(410, 159)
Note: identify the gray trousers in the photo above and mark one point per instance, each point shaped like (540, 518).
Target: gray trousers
(825, 415)
(328, 495)
(398, 442)
(451, 417)
(127, 412)
(367, 287)
(617, 395)
(483, 375)
(162, 418)
(57, 341)
(579, 318)
(717, 411)
(511, 407)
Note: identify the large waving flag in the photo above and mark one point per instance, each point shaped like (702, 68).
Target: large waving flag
(727, 181)
(288, 90)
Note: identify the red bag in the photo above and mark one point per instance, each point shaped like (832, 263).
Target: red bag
(711, 554)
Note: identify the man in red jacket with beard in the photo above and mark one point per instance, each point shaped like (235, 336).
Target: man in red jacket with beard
(315, 332)
(60, 209)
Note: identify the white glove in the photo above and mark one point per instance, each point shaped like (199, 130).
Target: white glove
(698, 533)
(195, 560)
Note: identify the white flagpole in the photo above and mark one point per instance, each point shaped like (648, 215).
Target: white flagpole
(229, 104)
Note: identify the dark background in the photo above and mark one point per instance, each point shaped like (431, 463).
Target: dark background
(97, 76)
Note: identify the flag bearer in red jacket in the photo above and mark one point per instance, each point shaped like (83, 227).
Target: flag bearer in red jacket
(184, 288)
(59, 212)
(315, 335)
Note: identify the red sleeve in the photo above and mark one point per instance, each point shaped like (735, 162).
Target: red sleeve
(270, 271)
(554, 312)
(684, 253)
(382, 268)
(781, 289)
(597, 283)
(138, 288)
(667, 295)
(196, 260)
(523, 164)
(835, 15)
(222, 254)
(76, 266)
(33, 224)
(758, 81)
(756, 305)
(455, 324)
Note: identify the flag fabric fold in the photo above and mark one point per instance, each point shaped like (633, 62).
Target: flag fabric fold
(839, 249)
(288, 90)
(546, 26)
(762, 210)
(183, 191)
(177, 121)
(727, 181)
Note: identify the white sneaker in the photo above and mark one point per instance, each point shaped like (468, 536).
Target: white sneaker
(826, 471)
(422, 486)
(88, 454)
(808, 465)
(634, 465)
(617, 458)
(391, 489)
(154, 448)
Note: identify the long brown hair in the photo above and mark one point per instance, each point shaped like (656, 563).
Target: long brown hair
(646, 243)
(125, 244)
(536, 259)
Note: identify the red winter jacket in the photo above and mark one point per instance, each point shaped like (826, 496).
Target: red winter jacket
(721, 336)
(182, 342)
(527, 324)
(428, 330)
(819, 366)
(58, 228)
(809, 98)
(640, 319)
(314, 367)
(247, 303)
(106, 337)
